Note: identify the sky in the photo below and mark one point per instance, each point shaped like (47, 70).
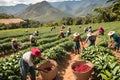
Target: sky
(14, 2)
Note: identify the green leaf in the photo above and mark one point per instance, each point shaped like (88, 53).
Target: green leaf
(108, 73)
(104, 77)
(115, 70)
(113, 65)
(115, 78)
(105, 66)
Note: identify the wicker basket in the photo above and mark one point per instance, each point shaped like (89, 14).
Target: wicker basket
(82, 75)
(50, 75)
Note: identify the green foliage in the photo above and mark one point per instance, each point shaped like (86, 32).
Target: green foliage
(4, 16)
(105, 63)
(25, 24)
(102, 41)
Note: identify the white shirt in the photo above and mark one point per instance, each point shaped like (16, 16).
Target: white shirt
(27, 57)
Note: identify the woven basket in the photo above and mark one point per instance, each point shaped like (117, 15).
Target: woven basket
(50, 75)
(82, 75)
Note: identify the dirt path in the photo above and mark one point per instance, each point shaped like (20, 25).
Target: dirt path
(68, 70)
(64, 68)
(65, 72)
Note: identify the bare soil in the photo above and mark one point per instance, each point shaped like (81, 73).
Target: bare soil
(12, 20)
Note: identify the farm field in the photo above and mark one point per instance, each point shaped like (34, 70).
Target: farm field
(59, 49)
(8, 21)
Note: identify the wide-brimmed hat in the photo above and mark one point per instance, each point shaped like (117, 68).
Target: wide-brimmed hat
(14, 39)
(111, 33)
(36, 52)
(76, 34)
(89, 34)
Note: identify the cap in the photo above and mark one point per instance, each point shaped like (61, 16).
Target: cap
(36, 52)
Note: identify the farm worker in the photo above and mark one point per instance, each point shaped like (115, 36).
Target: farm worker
(51, 28)
(76, 40)
(15, 45)
(63, 26)
(67, 33)
(26, 64)
(101, 31)
(91, 38)
(89, 29)
(36, 33)
(54, 27)
(85, 29)
(33, 40)
(116, 40)
(62, 33)
(69, 29)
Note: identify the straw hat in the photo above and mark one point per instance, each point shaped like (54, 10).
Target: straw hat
(36, 52)
(111, 33)
(14, 39)
(76, 34)
(89, 34)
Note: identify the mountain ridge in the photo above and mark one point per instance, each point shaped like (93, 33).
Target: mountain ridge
(13, 9)
(48, 11)
(42, 12)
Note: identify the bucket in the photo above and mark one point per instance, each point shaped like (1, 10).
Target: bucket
(50, 74)
(82, 75)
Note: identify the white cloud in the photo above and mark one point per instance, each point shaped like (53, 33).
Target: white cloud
(14, 2)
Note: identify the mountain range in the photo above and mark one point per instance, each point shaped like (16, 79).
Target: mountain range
(49, 11)
(42, 12)
(13, 9)
(80, 8)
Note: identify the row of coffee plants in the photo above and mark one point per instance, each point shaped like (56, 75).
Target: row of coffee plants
(103, 41)
(56, 52)
(25, 37)
(6, 47)
(9, 68)
(106, 66)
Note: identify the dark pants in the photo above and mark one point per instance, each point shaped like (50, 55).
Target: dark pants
(116, 45)
(24, 69)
